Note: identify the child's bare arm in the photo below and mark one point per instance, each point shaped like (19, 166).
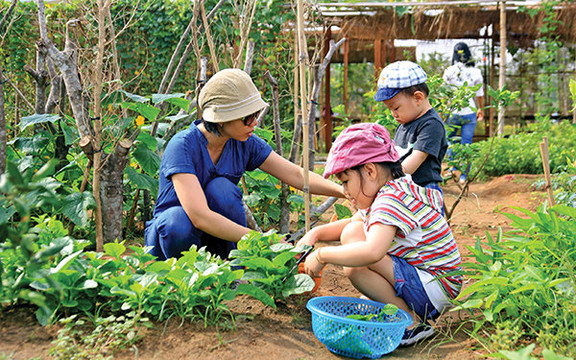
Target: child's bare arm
(413, 161)
(327, 232)
(360, 253)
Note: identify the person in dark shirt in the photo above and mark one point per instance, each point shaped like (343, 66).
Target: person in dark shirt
(421, 136)
(199, 201)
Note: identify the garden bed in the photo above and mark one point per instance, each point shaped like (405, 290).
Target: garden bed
(286, 333)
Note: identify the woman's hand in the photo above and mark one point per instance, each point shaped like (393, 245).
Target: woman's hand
(313, 264)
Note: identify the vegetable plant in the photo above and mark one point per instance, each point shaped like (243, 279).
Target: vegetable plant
(268, 263)
(528, 278)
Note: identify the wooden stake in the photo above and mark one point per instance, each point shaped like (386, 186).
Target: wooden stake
(304, 110)
(502, 73)
(546, 165)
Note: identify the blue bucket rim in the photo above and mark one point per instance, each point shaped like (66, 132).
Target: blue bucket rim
(311, 305)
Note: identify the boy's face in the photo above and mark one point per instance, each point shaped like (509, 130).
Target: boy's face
(406, 108)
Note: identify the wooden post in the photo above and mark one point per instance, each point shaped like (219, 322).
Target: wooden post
(327, 113)
(345, 82)
(377, 58)
(546, 165)
(502, 73)
(304, 110)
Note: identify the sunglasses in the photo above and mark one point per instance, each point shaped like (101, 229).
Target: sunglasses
(250, 119)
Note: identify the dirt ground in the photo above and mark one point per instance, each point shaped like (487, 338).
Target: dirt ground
(286, 333)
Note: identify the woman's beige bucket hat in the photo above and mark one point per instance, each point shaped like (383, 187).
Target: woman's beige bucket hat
(229, 95)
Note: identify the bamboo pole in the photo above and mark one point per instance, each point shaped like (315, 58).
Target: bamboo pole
(546, 165)
(304, 110)
(345, 82)
(502, 73)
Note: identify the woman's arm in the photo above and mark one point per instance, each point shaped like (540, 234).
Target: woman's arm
(193, 201)
(291, 174)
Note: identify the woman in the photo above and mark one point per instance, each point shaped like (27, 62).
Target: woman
(199, 201)
(462, 71)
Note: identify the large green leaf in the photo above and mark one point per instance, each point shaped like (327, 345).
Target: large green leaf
(148, 159)
(174, 99)
(134, 97)
(70, 133)
(256, 293)
(142, 181)
(6, 213)
(298, 284)
(150, 141)
(75, 207)
(37, 119)
(148, 111)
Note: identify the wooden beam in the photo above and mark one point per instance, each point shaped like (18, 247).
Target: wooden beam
(377, 58)
(345, 82)
(502, 73)
(327, 107)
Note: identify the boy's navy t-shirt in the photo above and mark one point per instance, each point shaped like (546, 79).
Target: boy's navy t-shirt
(187, 152)
(427, 134)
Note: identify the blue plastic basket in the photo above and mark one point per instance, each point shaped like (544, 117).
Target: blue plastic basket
(356, 338)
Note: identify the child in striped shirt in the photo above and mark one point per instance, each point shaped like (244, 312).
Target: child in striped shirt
(398, 248)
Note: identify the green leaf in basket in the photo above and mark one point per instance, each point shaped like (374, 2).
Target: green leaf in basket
(390, 309)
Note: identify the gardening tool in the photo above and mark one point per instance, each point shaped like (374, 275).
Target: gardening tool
(302, 258)
(292, 238)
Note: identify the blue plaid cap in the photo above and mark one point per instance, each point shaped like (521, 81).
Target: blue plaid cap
(397, 76)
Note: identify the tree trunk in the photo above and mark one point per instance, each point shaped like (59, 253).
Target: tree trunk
(3, 138)
(284, 205)
(112, 191)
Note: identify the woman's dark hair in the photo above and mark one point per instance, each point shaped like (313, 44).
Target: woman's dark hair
(418, 87)
(462, 54)
(211, 127)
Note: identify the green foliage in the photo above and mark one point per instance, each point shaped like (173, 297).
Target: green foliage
(527, 279)
(81, 340)
(387, 310)
(343, 212)
(520, 154)
(269, 263)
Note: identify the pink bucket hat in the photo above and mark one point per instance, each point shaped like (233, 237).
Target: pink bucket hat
(360, 144)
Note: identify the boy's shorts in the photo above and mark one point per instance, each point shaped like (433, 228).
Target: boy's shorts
(409, 287)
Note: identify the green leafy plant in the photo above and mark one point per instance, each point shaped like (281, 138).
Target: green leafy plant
(528, 277)
(79, 339)
(387, 310)
(269, 263)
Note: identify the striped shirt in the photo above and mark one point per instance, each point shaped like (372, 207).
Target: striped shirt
(423, 236)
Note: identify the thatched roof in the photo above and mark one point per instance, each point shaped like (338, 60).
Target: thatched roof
(445, 20)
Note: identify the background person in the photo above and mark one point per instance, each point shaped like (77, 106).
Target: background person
(462, 72)
(398, 248)
(421, 136)
(199, 201)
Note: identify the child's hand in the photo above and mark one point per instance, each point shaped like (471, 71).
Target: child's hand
(308, 239)
(313, 266)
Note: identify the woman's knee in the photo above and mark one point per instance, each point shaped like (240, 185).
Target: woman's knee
(176, 232)
(225, 198)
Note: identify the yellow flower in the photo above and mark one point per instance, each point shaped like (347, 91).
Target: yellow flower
(278, 186)
(140, 120)
(110, 107)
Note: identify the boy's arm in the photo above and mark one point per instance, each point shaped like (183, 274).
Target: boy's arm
(413, 161)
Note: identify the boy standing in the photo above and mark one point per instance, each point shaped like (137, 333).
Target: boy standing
(421, 137)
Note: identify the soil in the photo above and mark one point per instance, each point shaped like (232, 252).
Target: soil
(286, 333)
